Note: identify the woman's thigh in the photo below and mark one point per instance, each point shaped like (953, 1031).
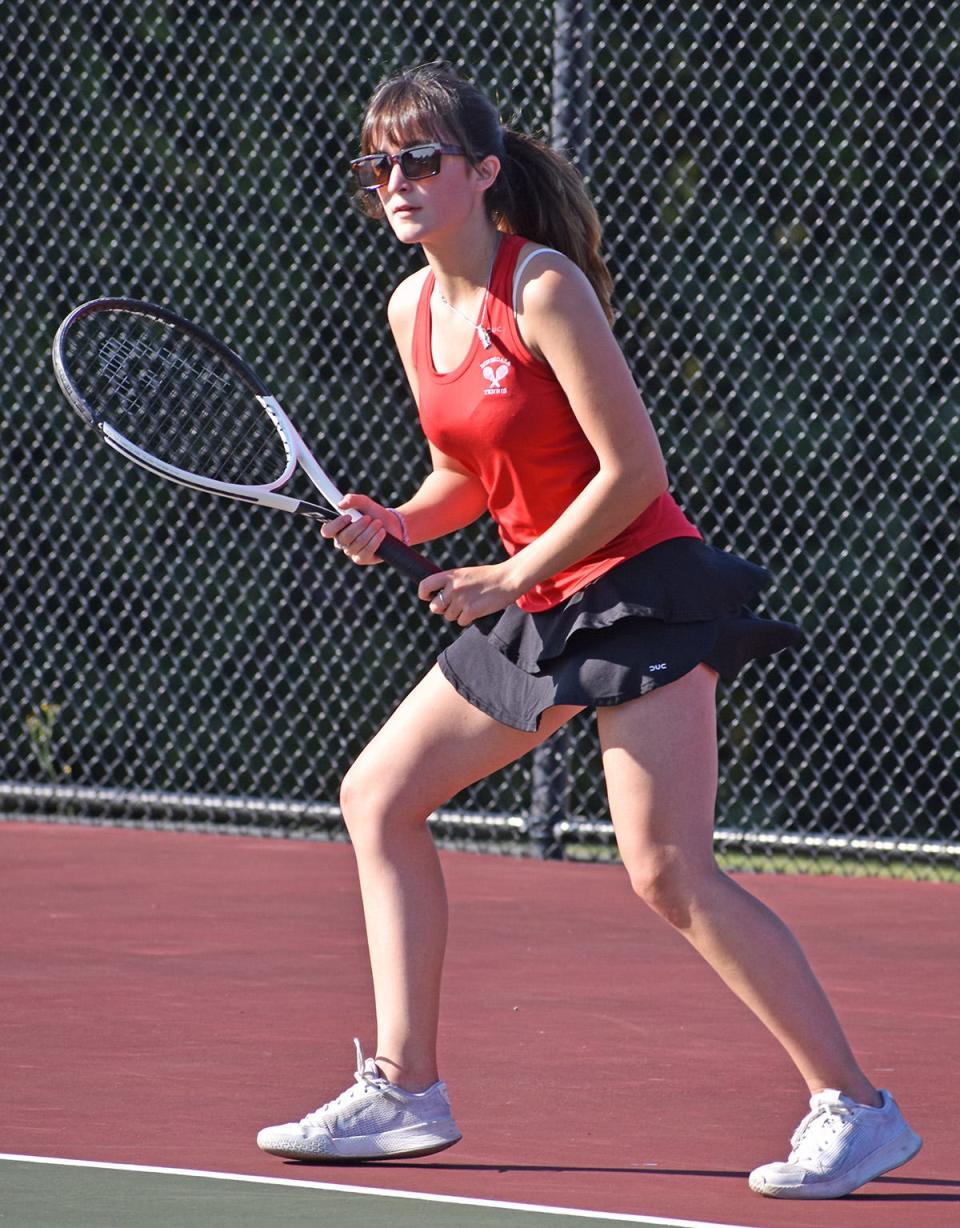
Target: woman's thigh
(660, 766)
(434, 744)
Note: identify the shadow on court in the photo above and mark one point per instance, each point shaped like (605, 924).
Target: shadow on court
(167, 994)
(711, 1174)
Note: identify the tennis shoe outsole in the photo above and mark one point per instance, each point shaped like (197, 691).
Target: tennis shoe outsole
(322, 1149)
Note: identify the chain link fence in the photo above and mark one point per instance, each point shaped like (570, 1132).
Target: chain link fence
(779, 189)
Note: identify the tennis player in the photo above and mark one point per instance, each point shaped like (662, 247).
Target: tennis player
(607, 598)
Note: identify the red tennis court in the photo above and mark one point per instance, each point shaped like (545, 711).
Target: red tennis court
(167, 994)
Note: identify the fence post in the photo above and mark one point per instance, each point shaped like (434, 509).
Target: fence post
(569, 131)
(572, 48)
(549, 791)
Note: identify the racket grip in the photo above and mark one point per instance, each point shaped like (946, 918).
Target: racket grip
(405, 559)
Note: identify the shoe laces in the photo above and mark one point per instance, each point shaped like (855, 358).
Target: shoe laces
(820, 1129)
(367, 1079)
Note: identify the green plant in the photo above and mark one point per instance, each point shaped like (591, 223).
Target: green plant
(41, 733)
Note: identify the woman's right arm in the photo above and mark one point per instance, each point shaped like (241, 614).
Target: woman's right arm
(449, 498)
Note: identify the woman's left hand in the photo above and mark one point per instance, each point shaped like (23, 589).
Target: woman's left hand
(464, 594)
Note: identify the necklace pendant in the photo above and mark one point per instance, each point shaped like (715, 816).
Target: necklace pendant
(484, 337)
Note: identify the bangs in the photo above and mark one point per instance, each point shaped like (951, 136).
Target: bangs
(403, 113)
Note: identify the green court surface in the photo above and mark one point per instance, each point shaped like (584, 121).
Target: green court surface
(41, 1193)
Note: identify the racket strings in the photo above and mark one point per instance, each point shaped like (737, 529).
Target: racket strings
(176, 399)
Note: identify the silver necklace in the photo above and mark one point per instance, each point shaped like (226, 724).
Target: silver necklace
(477, 325)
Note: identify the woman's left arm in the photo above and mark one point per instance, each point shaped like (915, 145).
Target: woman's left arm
(561, 321)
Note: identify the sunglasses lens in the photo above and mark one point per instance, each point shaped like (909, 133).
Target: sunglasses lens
(372, 172)
(421, 161)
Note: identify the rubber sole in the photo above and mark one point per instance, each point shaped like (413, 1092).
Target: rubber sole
(883, 1161)
(351, 1151)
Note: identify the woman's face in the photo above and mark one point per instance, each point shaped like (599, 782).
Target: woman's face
(437, 206)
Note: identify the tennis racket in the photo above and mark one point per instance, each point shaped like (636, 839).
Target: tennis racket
(167, 395)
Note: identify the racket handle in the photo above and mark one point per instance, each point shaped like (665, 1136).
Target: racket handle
(405, 559)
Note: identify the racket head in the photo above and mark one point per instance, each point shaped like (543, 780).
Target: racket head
(173, 398)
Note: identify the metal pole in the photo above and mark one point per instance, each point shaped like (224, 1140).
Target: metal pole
(569, 131)
(572, 56)
(550, 787)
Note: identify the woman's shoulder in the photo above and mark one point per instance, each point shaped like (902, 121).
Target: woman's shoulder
(544, 277)
(402, 304)
(402, 314)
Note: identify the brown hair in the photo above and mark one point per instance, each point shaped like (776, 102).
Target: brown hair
(538, 194)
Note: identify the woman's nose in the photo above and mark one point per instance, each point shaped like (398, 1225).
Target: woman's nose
(396, 179)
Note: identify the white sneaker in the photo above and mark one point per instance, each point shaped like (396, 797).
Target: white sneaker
(839, 1146)
(372, 1120)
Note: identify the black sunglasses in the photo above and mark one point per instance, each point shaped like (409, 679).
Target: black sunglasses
(417, 162)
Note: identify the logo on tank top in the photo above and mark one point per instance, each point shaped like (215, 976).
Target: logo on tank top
(495, 371)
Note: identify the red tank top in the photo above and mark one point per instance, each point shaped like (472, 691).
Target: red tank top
(503, 415)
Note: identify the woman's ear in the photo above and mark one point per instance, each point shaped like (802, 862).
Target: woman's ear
(487, 171)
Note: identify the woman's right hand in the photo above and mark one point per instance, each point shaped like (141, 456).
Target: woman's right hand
(359, 538)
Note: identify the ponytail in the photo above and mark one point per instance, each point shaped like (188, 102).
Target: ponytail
(538, 194)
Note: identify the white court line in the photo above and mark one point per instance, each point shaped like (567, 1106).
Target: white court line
(320, 1187)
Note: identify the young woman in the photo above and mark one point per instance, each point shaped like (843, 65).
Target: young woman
(607, 598)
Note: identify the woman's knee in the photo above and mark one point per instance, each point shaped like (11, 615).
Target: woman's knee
(361, 798)
(372, 801)
(670, 884)
(351, 790)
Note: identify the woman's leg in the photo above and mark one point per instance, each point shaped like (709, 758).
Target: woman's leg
(434, 745)
(660, 764)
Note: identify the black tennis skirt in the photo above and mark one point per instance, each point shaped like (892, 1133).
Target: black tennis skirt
(642, 625)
